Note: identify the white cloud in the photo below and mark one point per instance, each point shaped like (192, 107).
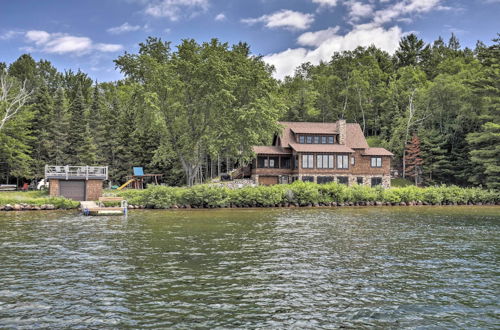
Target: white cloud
(125, 27)
(174, 9)
(10, 34)
(284, 18)
(359, 10)
(318, 37)
(285, 62)
(325, 3)
(220, 17)
(60, 43)
(405, 7)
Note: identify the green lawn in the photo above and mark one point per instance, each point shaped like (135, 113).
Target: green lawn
(38, 197)
(400, 182)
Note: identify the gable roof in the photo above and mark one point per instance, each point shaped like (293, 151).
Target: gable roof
(290, 127)
(377, 152)
(355, 137)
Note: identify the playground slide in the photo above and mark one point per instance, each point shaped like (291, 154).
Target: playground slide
(125, 184)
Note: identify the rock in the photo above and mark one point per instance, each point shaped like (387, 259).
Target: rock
(8, 207)
(333, 204)
(188, 206)
(402, 204)
(175, 206)
(479, 203)
(316, 204)
(50, 207)
(17, 207)
(36, 208)
(378, 204)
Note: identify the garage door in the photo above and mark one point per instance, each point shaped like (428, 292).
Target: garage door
(72, 189)
(268, 180)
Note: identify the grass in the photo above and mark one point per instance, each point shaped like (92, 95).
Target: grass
(36, 197)
(401, 182)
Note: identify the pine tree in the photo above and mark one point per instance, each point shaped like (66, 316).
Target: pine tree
(78, 128)
(43, 107)
(485, 154)
(413, 159)
(434, 155)
(59, 129)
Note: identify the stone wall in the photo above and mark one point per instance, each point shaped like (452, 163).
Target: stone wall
(54, 187)
(342, 129)
(94, 189)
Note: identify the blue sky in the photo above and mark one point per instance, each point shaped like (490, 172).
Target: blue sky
(89, 34)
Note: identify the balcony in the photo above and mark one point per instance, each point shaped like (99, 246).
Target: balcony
(70, 172)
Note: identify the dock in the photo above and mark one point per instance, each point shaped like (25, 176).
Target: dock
(92, 208)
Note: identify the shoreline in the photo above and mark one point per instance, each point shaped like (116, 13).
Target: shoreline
(21, 207)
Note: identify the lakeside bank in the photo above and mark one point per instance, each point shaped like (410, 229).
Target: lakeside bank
(298, 194)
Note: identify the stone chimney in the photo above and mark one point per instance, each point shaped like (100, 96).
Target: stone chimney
(341, 128)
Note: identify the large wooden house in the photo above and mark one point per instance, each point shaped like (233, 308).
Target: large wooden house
(321, 152)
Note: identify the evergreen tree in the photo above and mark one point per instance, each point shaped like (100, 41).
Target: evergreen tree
(60, 130)
(436, 165)
(78, 128)
(485, 154)
(413, 159)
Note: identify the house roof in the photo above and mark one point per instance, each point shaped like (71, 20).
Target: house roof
(291, 127)
(271, 150)
(321, 148)
(355, 137)
(377, 152)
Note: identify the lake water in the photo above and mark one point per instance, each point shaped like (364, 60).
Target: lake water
(271, 268)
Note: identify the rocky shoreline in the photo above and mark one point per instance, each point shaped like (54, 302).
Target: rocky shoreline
(28, 207)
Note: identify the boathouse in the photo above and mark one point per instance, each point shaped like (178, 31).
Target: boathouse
(80, 183)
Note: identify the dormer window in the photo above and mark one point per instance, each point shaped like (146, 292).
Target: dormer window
(330, 139)
(302, 139)
(323, 139)
(309, 139)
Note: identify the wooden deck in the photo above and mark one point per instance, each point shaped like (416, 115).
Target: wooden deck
(91, 208)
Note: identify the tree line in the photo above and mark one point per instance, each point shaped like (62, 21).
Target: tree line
(195, 111)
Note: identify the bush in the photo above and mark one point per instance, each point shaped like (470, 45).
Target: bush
(299, 192)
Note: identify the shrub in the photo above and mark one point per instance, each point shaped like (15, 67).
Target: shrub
(304, 193)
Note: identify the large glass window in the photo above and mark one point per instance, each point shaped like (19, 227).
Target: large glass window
(324, 179)
(308, 178)
(307, 161)
(316, 139)
(262, 162)
(302, 139)
(323, 139)
(342, 161)
(324, 161)
(359, 180)
(343, 180)
(376, 182)
(309, 139)
(286, 162)
(376, 162)
(330, 140)
(274, 162)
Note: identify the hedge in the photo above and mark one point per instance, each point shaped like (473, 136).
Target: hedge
(304, 194)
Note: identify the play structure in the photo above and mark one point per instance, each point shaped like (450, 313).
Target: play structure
(138, 180)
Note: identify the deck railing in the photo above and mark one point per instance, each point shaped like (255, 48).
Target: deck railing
(76, 172)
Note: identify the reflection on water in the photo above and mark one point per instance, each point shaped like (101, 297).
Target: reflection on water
(350, 267)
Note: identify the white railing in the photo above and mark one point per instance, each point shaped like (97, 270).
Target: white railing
(76, 172)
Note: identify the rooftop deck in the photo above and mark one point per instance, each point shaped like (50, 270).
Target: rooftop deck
(70, 172)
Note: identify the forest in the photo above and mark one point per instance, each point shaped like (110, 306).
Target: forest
(194, 111)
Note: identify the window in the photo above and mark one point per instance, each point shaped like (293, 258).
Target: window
(296, 162)
(262, 162)
(343, 180)
(286, 162)
(308, 178)
(324, 179)
(323, 139)
(330, 140)
(324, 161)
(309, 139)
(342, 161)
(359, 180)
(307, 161)
(274, 162)
(353, 161)
(376, 181)
(376, 162)
(302, 139)
(316, 139)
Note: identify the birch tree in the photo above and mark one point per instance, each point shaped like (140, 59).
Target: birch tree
(13, 96)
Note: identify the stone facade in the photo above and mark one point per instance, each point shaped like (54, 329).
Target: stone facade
(93, 189)
(342, 130)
